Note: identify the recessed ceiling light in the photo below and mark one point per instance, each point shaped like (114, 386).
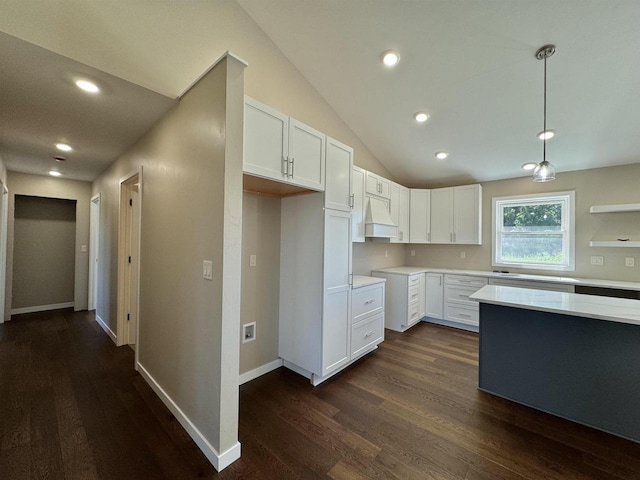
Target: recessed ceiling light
(421, 117)
(547, 134)
(529, 166)
(87, 86)
(64, 147)
(441, 155)
(54, 173)
(59, 159)
(390, 58)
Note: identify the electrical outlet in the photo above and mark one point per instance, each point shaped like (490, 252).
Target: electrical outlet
(595, 260)
(413, 253)
(83, 248)
(629, 262)
(252, 260)
(463, 254)
(386, 253)
(207, 269)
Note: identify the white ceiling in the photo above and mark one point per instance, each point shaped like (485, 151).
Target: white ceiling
(469, 64)
(41, 106)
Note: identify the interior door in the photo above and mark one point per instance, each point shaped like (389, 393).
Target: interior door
(133, 265)
(266, 141)
(336, 330)
(338, 184)
(94, 225)
(306, 155)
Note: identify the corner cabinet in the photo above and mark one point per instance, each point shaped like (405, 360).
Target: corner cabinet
(315, 287)
(456, 215)
(281, 148)
(404, 299)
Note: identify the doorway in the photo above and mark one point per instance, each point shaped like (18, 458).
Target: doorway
(94, 236)
(4, 224)
(129, 260)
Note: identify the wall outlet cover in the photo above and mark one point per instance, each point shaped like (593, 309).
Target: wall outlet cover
(413, 253)
(629, 262)
(463, 254)
(207, 269)
(597, 260)
(252, 260)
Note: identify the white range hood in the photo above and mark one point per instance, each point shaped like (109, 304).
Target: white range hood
(378, 223)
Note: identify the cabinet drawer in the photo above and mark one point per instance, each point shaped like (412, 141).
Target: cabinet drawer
(414, 293)
(459, 294)
(461, 314)
(414, 280)
(366, 334)
(367, 300)
(464, 280)
(414, 313)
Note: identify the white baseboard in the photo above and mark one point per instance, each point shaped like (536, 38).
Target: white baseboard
(258, 372)
(106, 328)
(41, 308)
(218, 460)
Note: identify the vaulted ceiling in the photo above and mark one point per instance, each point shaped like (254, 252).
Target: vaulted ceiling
(469, 65)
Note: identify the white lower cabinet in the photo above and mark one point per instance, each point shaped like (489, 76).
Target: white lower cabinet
(458, 307)
(434, 295)
(404, 299)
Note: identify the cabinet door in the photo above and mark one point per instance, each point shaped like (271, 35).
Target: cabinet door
(394, 207)
(420, 214)
(372, 185)
(336, 331)
(385, 187)
(266, 141)
(306, 155)
(422, 297)
(338, 184)
(434, 293)
(442, 215)
(467, 214)
(403, 215)
(357, 214)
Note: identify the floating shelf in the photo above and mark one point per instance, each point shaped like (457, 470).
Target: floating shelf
(614, 243)
(625, 207)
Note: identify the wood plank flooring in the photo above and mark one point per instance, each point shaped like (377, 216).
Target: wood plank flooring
(72, 407)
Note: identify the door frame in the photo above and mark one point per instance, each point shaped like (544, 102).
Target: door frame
(94, 250)
(122, 332)
(4, 226)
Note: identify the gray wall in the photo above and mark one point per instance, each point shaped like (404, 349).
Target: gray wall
(191, 211)
(47, 186)
(611, 185)
(44, 251)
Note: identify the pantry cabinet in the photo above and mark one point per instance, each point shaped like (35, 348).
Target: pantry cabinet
(281, 148)
(338, 193)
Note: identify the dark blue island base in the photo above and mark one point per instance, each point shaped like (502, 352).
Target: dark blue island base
(581, 369)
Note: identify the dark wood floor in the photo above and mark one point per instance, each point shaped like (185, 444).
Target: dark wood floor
(72, 407)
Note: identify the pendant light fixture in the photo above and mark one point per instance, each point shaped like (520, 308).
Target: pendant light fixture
(544, 171)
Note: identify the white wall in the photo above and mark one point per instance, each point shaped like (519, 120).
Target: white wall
(46, 186)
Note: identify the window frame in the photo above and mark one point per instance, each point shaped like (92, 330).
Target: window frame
(568, 229)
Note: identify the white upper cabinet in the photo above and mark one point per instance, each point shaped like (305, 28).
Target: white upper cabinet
(377, 185)
(281, 148)
(420, 216)
(306, 155)
(399, 210)
(357, 214)
(467, 214)
(266, 141)
(456, 215)
(442, 215)
(338, 193)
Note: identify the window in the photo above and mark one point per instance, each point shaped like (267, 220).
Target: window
(534, 231)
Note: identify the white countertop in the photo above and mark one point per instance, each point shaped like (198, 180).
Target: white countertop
(621, 310)
(362, 281)
(587, 282)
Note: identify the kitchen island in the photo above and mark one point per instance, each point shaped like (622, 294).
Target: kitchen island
(574, 356)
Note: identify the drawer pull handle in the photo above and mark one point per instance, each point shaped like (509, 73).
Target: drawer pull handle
(368, 334)
(369, 301)
(464, 315)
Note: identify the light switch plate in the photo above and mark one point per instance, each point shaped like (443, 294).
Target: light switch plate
(596, 260)
(463, 254)
(629, 262)
(413, 253)
(207, 269)
(83, 248)
(252, 260)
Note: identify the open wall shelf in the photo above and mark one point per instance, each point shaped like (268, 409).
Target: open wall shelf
(625, 207)
(614, 243)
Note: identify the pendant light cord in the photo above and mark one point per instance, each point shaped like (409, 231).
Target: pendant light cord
(544, 129)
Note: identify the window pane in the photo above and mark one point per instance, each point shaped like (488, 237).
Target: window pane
(527, 248)
(532, 218)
